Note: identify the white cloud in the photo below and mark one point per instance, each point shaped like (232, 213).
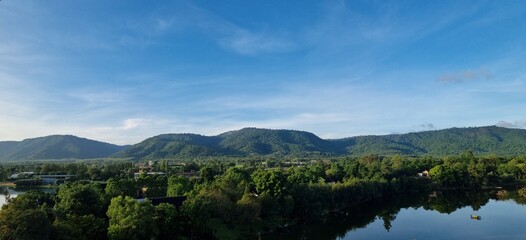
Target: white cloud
(133, 123)
(515, 124)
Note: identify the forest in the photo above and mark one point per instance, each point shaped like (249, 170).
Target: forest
(228, 198)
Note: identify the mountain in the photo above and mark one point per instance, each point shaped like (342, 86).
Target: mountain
(453, 141)
(274, 143)
(244, 142)
(173, 145)
(279, 143)
(253, 141)
(56, 147)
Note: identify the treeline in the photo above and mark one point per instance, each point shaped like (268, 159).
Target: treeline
(232, 199)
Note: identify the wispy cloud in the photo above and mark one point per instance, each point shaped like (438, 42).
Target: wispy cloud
(515, 124)
(225, 33)
(425, 126)
(466, 75)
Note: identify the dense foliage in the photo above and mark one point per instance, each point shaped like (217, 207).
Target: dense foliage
(253, 142)
(231, 199)
(56, 147)
(288, 143)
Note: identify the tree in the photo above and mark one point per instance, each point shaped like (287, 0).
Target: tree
(130, 219)
(178, 186)
(122, 187)
(153, 185)
(80, 199)
(24, 224)
(85, 227)
(270, 182)
(27, 216)
(167, 221)
(249, 207)
(207, 173)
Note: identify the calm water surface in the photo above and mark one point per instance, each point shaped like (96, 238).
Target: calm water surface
(444, 216)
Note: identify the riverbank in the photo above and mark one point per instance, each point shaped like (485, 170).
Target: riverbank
(7, 184)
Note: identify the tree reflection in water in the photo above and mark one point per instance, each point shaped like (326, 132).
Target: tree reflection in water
(338, 225)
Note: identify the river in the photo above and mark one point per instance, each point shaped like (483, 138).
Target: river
(440, 215)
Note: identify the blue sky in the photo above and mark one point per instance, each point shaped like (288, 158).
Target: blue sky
(122, 71)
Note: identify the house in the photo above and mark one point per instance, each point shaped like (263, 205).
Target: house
(425, 173)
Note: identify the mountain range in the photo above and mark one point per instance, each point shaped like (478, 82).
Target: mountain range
(56, 147)
(274, 143)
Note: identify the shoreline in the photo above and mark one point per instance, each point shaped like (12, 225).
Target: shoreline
(7, 184)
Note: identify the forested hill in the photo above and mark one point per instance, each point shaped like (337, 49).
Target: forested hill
(276, 143)
(244, 142)
(453, 141)
(56, 147)
(265, 142)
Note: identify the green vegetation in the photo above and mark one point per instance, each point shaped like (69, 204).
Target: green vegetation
(231, 199)
(253, 142)
(293, 144)
(56, 147)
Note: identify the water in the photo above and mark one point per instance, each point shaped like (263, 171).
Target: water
(446, 216)
(13, 192)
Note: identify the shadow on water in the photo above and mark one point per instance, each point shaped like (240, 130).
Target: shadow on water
(336, 226)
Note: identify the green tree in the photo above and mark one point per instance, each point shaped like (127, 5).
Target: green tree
(270, 182)
(85, 227)
(130, 219)
(122, 187)
(178, 186)
(167, 221)
(249, 208)
(80, 199)
(24, 224)
(27, 216)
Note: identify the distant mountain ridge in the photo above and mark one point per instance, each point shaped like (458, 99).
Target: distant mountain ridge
(56, 147)
(274, 143)
(292, 143)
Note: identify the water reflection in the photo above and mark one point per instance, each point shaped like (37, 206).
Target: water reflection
(423, 208)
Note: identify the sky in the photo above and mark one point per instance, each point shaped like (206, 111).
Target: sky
(121, 71)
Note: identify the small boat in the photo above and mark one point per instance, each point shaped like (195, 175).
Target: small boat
(475, 217)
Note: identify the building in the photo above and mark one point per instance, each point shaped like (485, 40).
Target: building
(52, 179)
(22, 175)
(425, 173)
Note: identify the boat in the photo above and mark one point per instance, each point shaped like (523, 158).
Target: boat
(475, 217)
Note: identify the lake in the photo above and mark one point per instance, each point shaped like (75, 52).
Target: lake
(16, 191)
(440, 215)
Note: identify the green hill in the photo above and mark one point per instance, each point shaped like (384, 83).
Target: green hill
(173, 145)
(253, 141)
(280, 143)
(480, 140)
(56, 147)
(274, 143)
(244, 142)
